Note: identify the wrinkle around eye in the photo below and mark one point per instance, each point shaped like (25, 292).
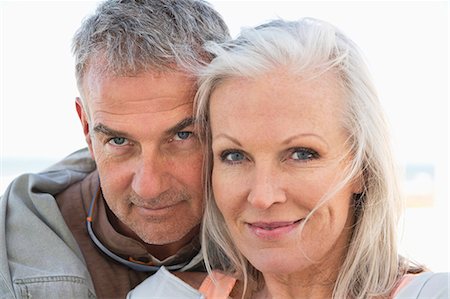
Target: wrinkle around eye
(123, 144)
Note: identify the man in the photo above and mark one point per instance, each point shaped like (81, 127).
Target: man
(103, 219)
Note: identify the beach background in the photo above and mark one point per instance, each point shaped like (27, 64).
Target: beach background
(405, 43)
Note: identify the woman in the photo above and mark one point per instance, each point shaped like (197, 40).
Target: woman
(301, 193)
(302, 196)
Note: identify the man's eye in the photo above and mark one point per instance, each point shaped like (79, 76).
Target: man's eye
(304, 154)
(118, 141)
(183, 135)
(232, 156)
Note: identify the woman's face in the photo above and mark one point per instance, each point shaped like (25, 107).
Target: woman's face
(279, 147)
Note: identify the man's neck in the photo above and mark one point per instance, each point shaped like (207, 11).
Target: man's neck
(162, 252)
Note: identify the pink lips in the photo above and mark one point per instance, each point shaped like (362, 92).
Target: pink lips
(272, 230)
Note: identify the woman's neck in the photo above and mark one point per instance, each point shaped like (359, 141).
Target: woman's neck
(312, 285)
(315, 281)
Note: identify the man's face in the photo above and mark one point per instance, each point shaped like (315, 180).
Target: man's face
(139, 132)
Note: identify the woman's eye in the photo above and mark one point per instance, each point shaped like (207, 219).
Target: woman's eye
(118, 141)
(233, 156)
(183, 135)
(303, 154)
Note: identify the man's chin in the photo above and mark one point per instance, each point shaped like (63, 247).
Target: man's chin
(164, 233)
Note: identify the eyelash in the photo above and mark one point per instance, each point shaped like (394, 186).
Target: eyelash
(126, 141)
(225, 153)
(177, 138)
(311, 155)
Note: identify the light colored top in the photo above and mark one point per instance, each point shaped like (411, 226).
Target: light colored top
(427, 285)
(163, 284)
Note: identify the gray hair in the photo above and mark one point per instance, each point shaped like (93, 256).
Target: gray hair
(126, 37)
(311, 47)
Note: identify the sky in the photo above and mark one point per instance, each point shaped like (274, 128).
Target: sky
(404, 42)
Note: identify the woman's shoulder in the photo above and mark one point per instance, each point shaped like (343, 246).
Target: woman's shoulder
(427, 285)
(194, 279)
(218, 285)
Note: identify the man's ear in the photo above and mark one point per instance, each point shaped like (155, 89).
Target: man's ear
(82, 115)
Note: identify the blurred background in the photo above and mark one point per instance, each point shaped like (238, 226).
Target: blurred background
(405, 43)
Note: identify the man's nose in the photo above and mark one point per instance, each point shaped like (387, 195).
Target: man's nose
(151, 177)
(266, 189)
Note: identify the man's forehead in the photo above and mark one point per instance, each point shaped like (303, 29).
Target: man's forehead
(148, 92)
(141, 107)
(97, 77)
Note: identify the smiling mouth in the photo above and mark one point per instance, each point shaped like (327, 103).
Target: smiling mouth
(273, 225)
(273, 231)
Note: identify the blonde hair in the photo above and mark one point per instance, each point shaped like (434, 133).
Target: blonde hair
(372, 265)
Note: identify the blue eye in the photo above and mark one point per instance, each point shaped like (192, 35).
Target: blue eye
(303, 154)
(232, 156)
(183, 135)
(118, 141)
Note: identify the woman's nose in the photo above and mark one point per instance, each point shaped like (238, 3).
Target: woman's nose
(265, 189)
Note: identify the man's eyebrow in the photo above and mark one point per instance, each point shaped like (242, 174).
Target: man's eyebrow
(102, 129)
(188, 121)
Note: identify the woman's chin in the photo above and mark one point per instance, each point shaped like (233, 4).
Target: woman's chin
(279, 262)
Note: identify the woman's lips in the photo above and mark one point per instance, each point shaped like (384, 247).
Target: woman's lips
(272, 230)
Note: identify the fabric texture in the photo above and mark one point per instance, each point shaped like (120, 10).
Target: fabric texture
(427, 285)
(39, 256)
(74, 204)
(164, 284)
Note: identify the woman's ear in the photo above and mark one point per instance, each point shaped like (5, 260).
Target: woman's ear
(358, 183)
